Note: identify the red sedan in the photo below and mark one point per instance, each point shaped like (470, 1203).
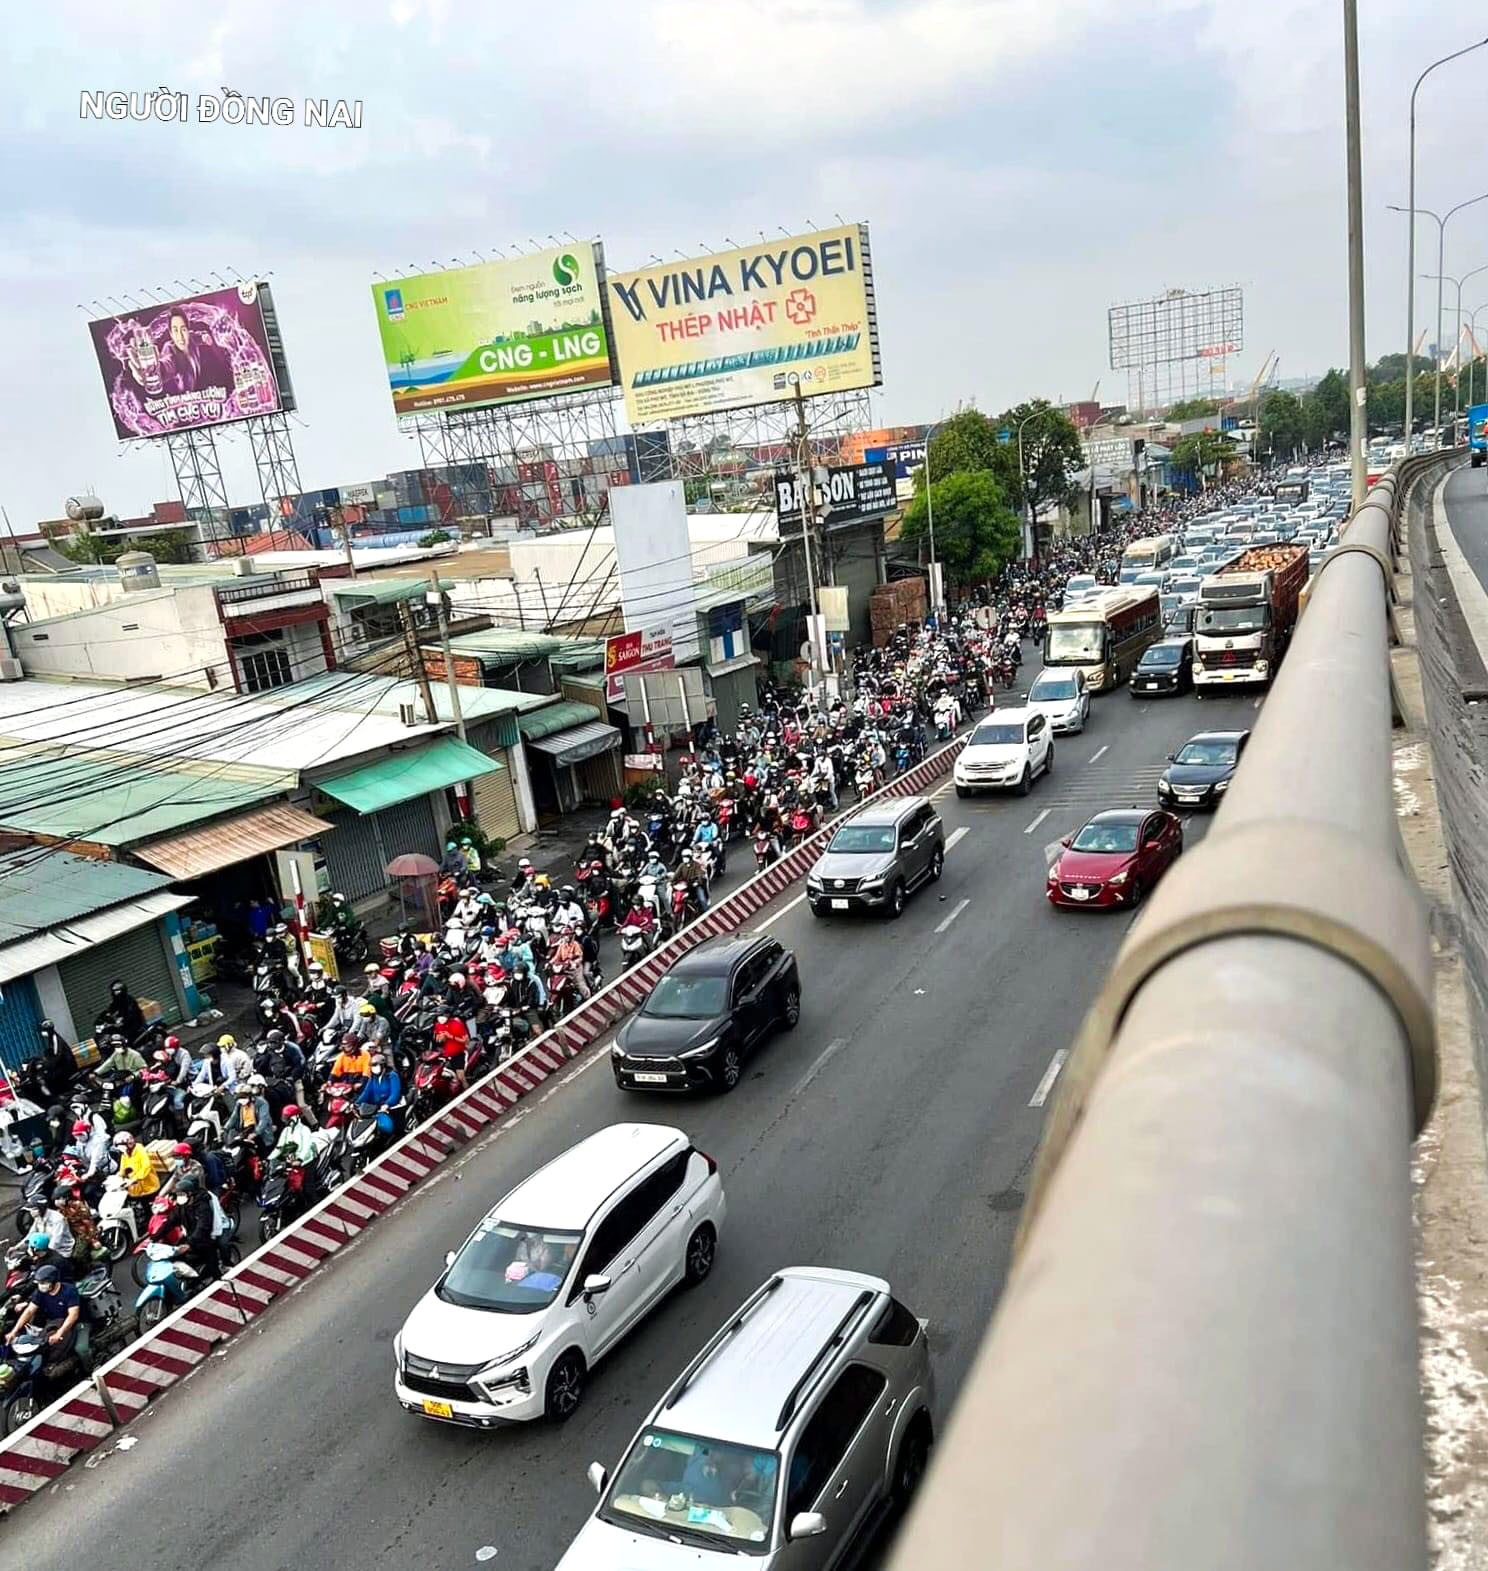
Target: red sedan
(1115, 859)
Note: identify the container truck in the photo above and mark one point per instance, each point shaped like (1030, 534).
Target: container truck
(1247, 611)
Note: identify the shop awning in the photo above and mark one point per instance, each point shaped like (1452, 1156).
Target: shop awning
(551, 718)
(72, 938)
(402, 776)
(578, 742)
(232, 840)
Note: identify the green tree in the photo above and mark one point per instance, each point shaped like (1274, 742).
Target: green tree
(1389, 368)
(1051, 451)
(1326, 410)
(1205, 451)
(1283, 425)
(168, 546)
(967, 442)
(976, 533)
(1193, 409)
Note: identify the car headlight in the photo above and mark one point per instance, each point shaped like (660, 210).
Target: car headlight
(398, 1351)
(506, 1358)
(490, 1385)
(616, 1050)
(1222, 785)
(1118, 878)
(872, 883)
(1054, 873)
(1163, 785)
(813, 881)
(1261, 667)
(703, 1049)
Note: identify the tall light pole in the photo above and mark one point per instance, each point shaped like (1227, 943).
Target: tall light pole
(1472, 364)
(1457, 283)
(930, 509)
(1358, 426)
(1410, 265)
(1441, 221)
(1031, 544)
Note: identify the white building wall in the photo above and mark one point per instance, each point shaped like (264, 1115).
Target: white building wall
(167, 634)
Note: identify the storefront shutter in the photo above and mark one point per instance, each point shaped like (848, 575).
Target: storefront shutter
(495, 802)
(20, 1014)
(354, 855)
(139, 958)
(409, 826)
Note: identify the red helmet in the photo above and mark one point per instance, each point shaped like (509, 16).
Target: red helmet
(290, 1112)
(182, 1149)
(81, 1127)
(171, 1043)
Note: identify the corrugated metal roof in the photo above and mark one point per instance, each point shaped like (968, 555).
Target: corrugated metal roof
(561, 716)
(402, 776)
(579, 742)
(501, 645)
(382, 591)
(231, 840)
(41, 890)
(64, 942)
(114, 802)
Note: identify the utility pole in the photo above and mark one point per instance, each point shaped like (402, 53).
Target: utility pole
(436, 599)
(1358, 429)
(806, 489)
(345, 532)
(420, 675)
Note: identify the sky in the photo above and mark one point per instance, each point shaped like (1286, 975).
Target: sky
(1023, 166)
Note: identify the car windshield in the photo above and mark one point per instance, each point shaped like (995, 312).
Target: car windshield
(681, 1486)
(687, 997)
(1207, 751)
(1234, 619)
(1106, 837)
(1073, 642)
(1163, 654)
(996, 736)
(863, 839)
(1046, 691)
(509, 1268)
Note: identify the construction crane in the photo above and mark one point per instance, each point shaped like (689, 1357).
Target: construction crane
(1265, 375)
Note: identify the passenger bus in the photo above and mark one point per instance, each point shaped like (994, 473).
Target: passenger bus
(1105, 635)
(1148, 555)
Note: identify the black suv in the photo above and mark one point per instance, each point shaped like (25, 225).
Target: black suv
(705, 1016)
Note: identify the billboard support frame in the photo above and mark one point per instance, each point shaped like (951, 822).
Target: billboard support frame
(278, 469)
(1176, 345)
(199, 482)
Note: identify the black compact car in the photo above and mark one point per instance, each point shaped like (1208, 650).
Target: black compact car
(1165, 669)
(1199, 773)
(706, 1015)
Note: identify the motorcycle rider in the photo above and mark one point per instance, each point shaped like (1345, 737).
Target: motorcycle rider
(567, 958)
(353, 1062)
(78, 1215)
(453, 863)
(184, 1165)
(135, 1166)
(123, 1012)
(692, 873)
(57, 1067)
(372, 1028)
(176, 1062)
(462, 999)
(570, 909)
(251, 1116)
(198, 1218)
(51, 1222)
(707, 840)
(57, 1305)
(472, 856)
(526, 997)
(296, 1140)
(90, 1150)
(383, 1090)
(122, 1058)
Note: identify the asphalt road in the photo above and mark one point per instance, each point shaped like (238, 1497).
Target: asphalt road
(891, 1132)
(1467, 506)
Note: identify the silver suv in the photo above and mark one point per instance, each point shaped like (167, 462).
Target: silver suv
(799, 1427)
(878, 858)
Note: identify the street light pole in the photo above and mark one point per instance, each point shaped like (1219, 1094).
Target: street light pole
(1358, 428)
(1457, 283)
(930, 511)
(1472, 365)
(1410, 266)
(1030, 545)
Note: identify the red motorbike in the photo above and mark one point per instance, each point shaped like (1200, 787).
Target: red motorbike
(162, 1228)
(434, 1084)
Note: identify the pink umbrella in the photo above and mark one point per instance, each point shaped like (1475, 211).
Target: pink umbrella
(412, 864)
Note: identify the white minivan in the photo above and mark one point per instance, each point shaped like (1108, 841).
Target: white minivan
(555, 1274)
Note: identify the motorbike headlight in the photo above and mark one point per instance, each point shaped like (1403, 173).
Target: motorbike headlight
(703, 1048)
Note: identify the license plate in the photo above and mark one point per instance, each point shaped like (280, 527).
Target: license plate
(1146, 686)
(1229, 676)
(438, 1409)
(649, 1078)
(1188, 796)
(839, 905)
(1079, 894)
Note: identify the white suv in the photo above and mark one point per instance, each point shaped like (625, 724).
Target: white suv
(555, 1274)
(1009, 748)
(783, 1445)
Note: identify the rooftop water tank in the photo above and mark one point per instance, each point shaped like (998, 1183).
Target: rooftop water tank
(137, 570)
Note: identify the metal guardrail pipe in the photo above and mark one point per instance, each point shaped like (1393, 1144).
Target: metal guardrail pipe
(1205, 1356)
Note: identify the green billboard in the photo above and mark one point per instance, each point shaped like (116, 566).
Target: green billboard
(495, 332)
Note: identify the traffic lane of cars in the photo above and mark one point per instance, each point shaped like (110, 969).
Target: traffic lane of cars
(890, 1131)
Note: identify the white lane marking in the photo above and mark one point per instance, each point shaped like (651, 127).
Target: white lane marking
(831, 1050)
(1095, 757)
(956, 836)
(1051, 1074)
(960, 907)
(789, 906)
(1037, 821)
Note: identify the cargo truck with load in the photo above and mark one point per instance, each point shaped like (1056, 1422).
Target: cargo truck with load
(1247, 611)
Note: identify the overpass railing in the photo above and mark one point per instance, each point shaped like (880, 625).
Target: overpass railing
(1205, 1355)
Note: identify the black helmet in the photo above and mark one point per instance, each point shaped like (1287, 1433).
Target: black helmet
(275, 1037)
(116, 987)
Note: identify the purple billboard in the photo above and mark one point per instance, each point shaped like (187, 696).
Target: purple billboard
(201, 361)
